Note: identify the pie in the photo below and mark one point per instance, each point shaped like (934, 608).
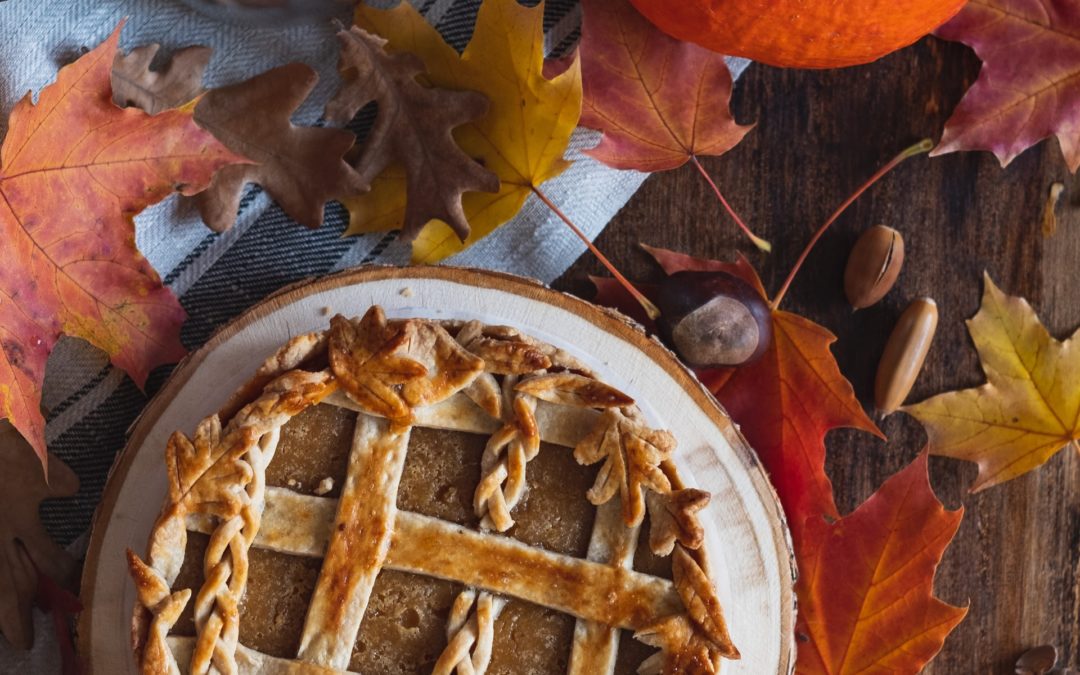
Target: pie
(407, 496)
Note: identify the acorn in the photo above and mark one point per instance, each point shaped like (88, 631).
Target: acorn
(714, 319)
(873, 265)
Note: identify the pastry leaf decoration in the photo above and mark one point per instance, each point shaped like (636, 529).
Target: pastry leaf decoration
(573, 389)
(368, 358)
(632, 454)
(699, 598)
(505, 354)
(412, 131)
(682, 649)
(673, 517)
(449, 366)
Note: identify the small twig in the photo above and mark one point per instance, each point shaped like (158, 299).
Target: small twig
(646, 304)
(762, 244)
(922, 146)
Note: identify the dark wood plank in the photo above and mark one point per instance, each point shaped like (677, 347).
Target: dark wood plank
(818, 135)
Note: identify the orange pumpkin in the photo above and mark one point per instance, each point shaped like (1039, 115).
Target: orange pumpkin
(800, 33)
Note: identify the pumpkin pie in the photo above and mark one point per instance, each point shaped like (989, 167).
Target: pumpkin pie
(414, 496)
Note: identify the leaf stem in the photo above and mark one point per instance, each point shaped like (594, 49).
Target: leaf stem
(922, 146)
(762, 244)
(646, 304)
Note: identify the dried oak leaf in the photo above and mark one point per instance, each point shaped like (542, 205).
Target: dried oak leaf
(178, 82)
(368, 359)
(672, 518)
(25, 548)
(413, 129)
(449, 367)
(632, 454)
(1029, 407)
(575, 390)
(1028, 86)
(74, 170)
(300, 167)
(523, 137)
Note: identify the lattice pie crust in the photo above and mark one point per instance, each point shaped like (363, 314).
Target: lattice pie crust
(401, 375)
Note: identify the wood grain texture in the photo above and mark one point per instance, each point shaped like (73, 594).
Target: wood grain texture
(819, 134)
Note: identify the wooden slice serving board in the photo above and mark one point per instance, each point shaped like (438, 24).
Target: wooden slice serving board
(749, 544)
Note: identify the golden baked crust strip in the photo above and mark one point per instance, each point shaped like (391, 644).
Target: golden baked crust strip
(249, 661)
(558, 424)
(432, 547)
(585, 589)
(359, 542)
(596, 645)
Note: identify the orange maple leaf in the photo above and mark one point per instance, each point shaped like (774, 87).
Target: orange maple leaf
(74, 170)
(866, 602)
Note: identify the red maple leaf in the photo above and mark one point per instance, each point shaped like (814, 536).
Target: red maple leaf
(1029, 85)
(74, 170)
(866, 601)
(658, 101)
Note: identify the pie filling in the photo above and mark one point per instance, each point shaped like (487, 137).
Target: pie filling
(323, 519)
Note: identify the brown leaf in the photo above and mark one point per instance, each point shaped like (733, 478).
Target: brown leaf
(450, 368)
(699, 597)
(413, 128)
(672, 518)
(368, 359)
(573, 389)
(300, 167)
(24, 544)
(632, 454)
(504, 352)
(134, 83)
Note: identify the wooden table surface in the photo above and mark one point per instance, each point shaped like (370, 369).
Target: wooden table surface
(818, 136)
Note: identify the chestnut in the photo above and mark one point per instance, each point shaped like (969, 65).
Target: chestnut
(714, 318)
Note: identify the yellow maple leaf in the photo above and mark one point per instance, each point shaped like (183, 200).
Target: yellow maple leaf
(1029, 407)
(521, 139)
